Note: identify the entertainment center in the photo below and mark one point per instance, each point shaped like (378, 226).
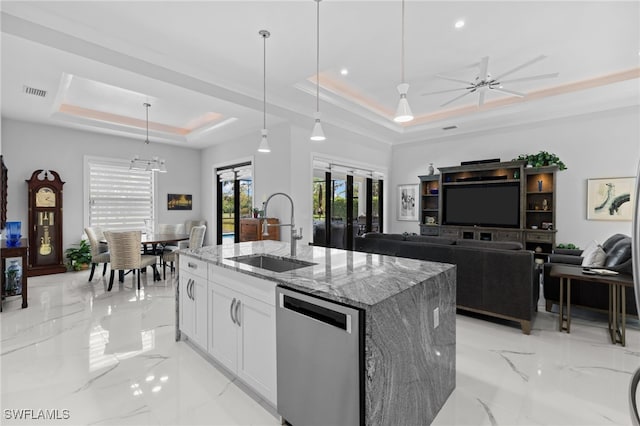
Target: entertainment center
(492, 201)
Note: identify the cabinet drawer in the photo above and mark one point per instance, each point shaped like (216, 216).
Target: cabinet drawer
(193, 266)
(430, 230)
(538, 237)
(449, 232)
(508, 236)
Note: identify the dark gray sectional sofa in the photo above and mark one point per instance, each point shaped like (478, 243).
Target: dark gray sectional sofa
(493, 277)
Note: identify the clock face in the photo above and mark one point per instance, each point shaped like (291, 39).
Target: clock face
(45, 197)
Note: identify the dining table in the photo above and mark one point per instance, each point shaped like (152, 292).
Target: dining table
(154, 243)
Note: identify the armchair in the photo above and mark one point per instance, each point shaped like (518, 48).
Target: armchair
(586, 294)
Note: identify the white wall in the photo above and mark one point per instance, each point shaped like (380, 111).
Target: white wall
(592, 146)
(287, 168)
(28, 147)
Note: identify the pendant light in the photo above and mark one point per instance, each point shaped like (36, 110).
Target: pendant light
(317, 134)
(155, 164)
(264, 144)
(403, 113)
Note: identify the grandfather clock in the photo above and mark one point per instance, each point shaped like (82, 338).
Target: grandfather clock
(45, 223)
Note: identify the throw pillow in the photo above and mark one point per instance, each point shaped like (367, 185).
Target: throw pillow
(589, 249)
(596, 258)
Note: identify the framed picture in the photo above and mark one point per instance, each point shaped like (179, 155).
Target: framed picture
(179, 202)
(407, 201)
(610, 198)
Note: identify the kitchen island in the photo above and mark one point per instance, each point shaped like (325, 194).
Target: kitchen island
(409, 319)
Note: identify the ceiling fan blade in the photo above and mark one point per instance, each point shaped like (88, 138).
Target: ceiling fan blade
(444, 77)
(519, 67)
(509, 92)
(455, 99)
(484, 66)
(443, 91)
(534, 77)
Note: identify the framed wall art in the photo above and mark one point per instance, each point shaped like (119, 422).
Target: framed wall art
(407, 202)
(610, 198)
(179, 202)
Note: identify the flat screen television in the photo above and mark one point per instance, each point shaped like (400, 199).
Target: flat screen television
(482, 204)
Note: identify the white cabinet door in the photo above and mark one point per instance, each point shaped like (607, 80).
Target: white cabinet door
(187, 305)
(223, 331)
(193, 308)
(199, 294)
(257, 346)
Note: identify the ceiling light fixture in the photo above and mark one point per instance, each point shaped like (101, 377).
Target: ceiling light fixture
(403, 113)
(344, 71)
(155, 164)
(264, 144)
(459, 24)
(317, 134)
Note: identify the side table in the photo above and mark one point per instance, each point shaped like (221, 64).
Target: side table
(617, 302)
(9, 252)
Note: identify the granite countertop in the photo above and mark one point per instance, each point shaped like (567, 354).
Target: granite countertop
(354, 278)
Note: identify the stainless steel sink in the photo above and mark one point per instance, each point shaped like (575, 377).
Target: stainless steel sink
(271, 263)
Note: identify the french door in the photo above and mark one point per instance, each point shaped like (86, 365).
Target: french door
(234, 191)
(346, 203)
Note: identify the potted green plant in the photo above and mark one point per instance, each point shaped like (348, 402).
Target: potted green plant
(257, 212)
(541, 159)
(79, 257)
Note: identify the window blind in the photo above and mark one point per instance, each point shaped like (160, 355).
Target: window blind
(119, 198)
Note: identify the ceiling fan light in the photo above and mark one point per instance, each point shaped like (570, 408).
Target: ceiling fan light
(403, 113)
(317, 134)
(264, 144)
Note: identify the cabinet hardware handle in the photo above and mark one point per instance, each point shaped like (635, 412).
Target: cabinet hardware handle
(236, 313)
(231, 311)
(191, 282)
(187, 288)
(192, 265)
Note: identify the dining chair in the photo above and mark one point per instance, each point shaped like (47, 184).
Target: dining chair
(99, 250)
(125, 255)
(196, 239)
(188, 224)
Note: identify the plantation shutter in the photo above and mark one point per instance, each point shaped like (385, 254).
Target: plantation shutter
(119, 198)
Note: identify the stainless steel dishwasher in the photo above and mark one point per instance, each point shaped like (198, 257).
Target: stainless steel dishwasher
(320, 358)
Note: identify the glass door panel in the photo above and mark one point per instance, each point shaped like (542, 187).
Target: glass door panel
(338, 210)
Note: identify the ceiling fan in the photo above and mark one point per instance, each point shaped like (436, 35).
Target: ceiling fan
(484, 81)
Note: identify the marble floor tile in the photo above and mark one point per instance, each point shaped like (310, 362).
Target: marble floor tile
(110, 358)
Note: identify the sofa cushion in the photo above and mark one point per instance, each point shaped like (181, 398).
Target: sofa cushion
(619, 253)
(427, 239)
(377, 235)
(590, 249)
(502, 245)
(611, 241)
(595, 258)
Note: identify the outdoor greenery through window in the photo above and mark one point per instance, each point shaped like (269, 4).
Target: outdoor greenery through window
(118, 198)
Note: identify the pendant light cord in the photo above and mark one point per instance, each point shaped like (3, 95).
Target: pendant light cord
(264, 80)
(402, 48)
(318, 56)
(147, 105)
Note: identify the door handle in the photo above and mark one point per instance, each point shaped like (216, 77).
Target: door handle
(187, 288)
(231, 310)
(236, 313)
(191, 282)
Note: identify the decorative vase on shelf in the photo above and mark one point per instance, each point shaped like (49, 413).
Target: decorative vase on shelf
(13, 278)
(430, 169)
(539, 186)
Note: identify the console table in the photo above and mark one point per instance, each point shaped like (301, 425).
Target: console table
(20, 251)
(617, 298)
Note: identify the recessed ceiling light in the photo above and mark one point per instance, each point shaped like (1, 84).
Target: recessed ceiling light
(344, 71)
(459, 24)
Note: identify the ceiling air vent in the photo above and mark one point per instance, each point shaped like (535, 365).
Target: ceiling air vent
(449, 127)
(33, 91)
